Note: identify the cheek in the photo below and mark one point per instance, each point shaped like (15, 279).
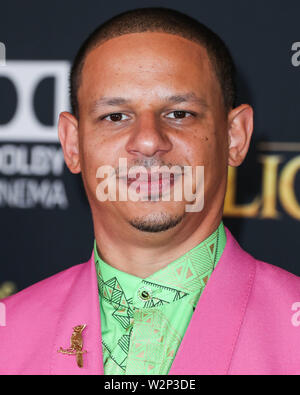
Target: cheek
(91, 156)
(98, 150)
(208, 150)
(200, 149)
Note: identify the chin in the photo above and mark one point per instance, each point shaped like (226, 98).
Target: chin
(154, 222)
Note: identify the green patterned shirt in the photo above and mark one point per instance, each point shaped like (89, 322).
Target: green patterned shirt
(144, 320)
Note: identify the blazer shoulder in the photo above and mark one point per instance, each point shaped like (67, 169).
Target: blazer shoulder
(267, 275)
(276, 273)
(49, 290)
(32, 318)
(277, 282)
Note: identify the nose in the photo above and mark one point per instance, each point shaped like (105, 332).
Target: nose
(148, 138)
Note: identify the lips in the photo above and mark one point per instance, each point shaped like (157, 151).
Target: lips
(152, 183)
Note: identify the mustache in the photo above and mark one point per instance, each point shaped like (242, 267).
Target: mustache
(147, 163)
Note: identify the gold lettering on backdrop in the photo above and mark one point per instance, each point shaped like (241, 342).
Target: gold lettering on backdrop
(269, 185)
(231, 208)
(287, 188)
(275, 183)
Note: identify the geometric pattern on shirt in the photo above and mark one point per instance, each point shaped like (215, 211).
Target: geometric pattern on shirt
(187, 274)
(155, 356)
(145, 322)
(112, 292)
(124, 312)
(148, 335)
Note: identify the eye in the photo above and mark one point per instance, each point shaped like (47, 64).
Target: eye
(179, 114)
(115, 117)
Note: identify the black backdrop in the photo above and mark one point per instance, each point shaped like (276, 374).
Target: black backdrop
(45, 220)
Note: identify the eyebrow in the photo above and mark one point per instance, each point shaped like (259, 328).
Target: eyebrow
(174, 99)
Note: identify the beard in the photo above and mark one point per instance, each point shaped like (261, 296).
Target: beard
(156, 222)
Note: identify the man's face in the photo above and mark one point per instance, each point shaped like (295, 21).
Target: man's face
(152, 98)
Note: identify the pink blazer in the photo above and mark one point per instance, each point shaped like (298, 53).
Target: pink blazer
(247, 321)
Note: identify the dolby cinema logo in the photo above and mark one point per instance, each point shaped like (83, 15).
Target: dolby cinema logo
(32, 94)
(22, 113)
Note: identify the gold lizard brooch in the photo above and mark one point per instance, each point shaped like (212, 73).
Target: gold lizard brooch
(76, 345)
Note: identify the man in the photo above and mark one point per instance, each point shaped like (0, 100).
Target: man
(175, 292)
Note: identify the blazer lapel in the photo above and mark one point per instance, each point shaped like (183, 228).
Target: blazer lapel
(210, 339)
(80, 307)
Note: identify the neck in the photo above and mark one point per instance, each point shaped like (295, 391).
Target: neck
(142, 254)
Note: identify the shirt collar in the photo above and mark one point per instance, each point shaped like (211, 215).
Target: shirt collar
(185, 275)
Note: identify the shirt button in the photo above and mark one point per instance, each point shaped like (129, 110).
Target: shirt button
(144, 294)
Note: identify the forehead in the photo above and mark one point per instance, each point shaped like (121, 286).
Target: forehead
(148, 62)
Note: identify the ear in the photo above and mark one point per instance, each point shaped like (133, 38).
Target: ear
(240, 128)
(69, 139)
